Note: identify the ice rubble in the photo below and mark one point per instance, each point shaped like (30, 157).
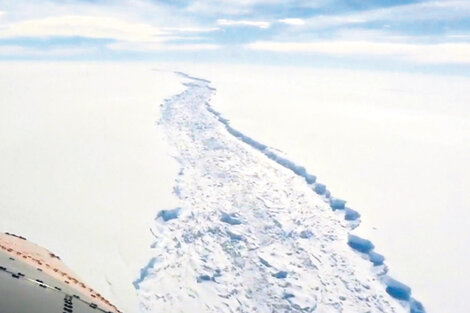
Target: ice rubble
(282, 247)
(167, 215)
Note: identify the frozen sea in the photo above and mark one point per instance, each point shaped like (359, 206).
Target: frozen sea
(89, 164)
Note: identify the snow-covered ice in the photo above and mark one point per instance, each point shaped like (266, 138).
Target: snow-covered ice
(251, 235)
(395, 145)
(248, 227)
(83, 168)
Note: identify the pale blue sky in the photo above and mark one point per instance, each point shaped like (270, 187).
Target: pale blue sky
(347, 33)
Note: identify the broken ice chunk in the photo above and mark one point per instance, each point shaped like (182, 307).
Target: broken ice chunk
(204, 277)
(359, 244)
(337, 204)
(376, 259)
(167, 215)
(320, 189)
(351, 215)
(397, 290)
(229, 219)
(280, 274)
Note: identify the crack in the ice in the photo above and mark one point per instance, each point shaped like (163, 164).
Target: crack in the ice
(297, 169)
(144, 273)
(394, 288)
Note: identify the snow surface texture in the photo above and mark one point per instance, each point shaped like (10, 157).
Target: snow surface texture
(395, 145)
(253, 235)
(82, 166)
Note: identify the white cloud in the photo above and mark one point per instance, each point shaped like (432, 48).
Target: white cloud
(130, 36)
(367, 34)
(325, 21)
(155, 46)
(445, 53)
(459, 36)
(259, 24)
(292, 21)
(190, 29)
(245, 7)
(434, 11)
(228, 7)
(85, 26)
(20, 51)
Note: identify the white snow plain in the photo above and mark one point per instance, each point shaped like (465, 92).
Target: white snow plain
(83, 168)
(394, 145)
(250, 234)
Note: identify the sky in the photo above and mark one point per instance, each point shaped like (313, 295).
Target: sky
(346, 33)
